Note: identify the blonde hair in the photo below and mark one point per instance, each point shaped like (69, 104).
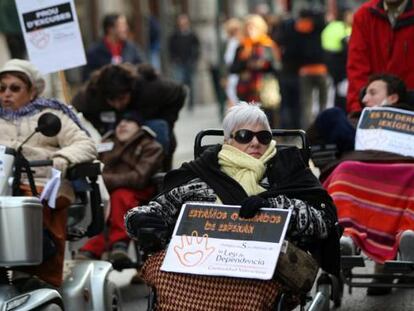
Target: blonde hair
(257, 21)
(233, 25)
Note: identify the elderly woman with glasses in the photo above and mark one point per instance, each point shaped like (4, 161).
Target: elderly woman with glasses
(247, 170)
(20, 108)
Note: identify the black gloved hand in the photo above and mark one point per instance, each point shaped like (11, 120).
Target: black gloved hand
(136, 221)
(150, 230)
(152, 240)
(251, 206)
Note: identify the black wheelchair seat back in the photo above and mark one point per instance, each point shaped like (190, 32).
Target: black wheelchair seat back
(284, 137)
(324, 154)
(84, 178)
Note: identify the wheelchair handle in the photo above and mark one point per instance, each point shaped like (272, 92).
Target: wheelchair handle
(275, 133)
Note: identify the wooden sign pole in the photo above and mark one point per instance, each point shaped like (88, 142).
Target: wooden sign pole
(65, 87)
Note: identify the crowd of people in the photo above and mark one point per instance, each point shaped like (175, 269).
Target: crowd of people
(272, 70)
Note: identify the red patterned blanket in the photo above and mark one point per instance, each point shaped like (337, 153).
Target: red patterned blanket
(375, 204)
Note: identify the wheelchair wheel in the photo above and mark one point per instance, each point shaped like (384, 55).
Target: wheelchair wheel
(325, 287)
(337, 291)
(112, 297)
(325, 290)
(152, 299)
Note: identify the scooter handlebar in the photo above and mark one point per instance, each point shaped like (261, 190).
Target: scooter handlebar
(38, 163)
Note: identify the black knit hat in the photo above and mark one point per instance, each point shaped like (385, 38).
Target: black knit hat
(131, 116)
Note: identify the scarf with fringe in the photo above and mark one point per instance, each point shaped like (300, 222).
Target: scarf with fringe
(245, 169)
(38, 105)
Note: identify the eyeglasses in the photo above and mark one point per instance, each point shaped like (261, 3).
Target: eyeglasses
(14, 88)
(244, 136)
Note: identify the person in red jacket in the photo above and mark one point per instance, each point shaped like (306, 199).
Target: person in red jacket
(381, 42)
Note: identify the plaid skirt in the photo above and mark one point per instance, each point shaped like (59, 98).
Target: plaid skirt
(178, 291)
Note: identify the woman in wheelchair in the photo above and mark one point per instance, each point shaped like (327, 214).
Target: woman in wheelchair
(247, 170)
(20, 87)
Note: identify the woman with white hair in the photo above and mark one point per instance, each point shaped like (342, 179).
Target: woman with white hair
(245, 170)
(21, 106)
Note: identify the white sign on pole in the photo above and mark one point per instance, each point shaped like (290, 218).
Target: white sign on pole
(51, 33)
(386, 129)
(211, 239)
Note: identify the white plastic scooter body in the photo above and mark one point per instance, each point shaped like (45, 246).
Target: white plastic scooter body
(84, 283)
(13, 248)
(6, 173)
(11, 300)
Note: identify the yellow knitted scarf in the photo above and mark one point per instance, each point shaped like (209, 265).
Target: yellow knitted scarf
(245, 169)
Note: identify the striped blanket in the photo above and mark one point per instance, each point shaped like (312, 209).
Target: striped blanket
(375, 204)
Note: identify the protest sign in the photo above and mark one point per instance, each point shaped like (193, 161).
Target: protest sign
(211, 239)
(51, 33)
(386, 129)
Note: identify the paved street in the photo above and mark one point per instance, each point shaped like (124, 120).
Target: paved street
(187, 127)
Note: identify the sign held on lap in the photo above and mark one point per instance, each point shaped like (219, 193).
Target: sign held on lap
(211, 239)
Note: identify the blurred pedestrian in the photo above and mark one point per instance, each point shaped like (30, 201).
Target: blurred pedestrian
(234, 31)
(212, 51)
(289, 41)
(184, 50)
(114, 47)
(155, 42)
(381, 41)
(335, 37)
(313, 72)
(257, 59)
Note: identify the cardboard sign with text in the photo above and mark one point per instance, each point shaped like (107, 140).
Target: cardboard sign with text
(51, 33)
(386, 129)
(211, 239)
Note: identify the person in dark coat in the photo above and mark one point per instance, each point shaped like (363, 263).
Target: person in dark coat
(113, 48)
(289, 40)
(247, 170)
(313, 72)
(118, 88)
(184, 51)
(134, 158)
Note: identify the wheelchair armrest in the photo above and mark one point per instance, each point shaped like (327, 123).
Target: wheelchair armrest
(276, 133)
(157, 180)
(81, 170)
